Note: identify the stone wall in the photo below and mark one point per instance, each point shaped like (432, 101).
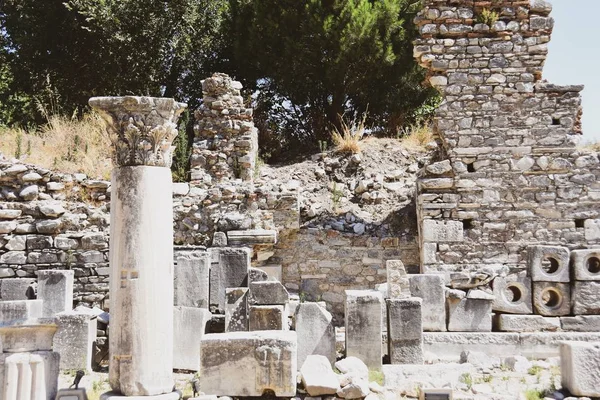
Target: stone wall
(509, 174)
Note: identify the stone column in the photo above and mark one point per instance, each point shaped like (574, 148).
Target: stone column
(141, 243)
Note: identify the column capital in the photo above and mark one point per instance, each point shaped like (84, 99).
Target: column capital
(141, 129)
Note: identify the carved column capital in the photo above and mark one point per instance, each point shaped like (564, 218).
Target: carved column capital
(141, 129)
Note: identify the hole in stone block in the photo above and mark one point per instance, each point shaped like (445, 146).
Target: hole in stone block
(513, 294)
(579, 223)
(268, 393)
(593, 265)
(555, 121)
(470, 167)
(551, 298)
(467, 224)
(550, 264)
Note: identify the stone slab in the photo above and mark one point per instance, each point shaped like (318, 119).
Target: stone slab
(548, 263)
(316, 333)
(236, 309)
(580, 368)
(268, 293)
(25, 368)
(586, 298)
(469, 315)
(581, 323)
(512, 294)
(551, 299)
(55, 288)
(20, 310)
(191, 280)
(442, 231)
(252, 237)
(318, 377)
(28, 336)
(15, 288)
(439, 375)
(118, 396)
(74, 340)
(71, 394)
(405, 330)
(189, 325)
(249, 363)
(586, 264)
(527, 323)
(430, 288)
(231, 272)
(363, 324)
(267, 318)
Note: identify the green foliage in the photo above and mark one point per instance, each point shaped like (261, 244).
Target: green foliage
(376, 376)
(180, 168)
(535, 370)
(467, 379)
(533, 394)
(18, 150)
(488, 17)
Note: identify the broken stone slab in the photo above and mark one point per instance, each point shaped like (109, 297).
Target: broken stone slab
(74, 340)
(581, 323)
(469, 313)
(316, 334)
(268, 293)
(55, 288)
(357, 389)
(527, 323)
(267, 318)
(353, 366)
(257, 275)
(552, 299)
(249, 363)
(36, 374)
(15, 288)
(397, 280)
(318, 377)
(252, 237)
(405, 330)
(512, 294)
(430, 288)
(363, 325)
(236, 309)
(189, 326)
(580, 368)
(119, 396)
(20, 310)
(586, 264)
(586, 298)
(230, 272)
(191, 280)
(548, 263)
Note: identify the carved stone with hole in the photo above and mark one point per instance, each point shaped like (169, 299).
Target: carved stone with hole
(586, 264)
(549, 264)
(512, 295)
(551, 299)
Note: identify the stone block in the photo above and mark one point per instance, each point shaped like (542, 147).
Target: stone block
(252, 237)
(469, 314)
(397, 280)
(442, 231)
(268, 293)
(580, 368)
(551, 299)
(363, 324)
(318, 377)
(430, 288)
(586, 264)
(405, 330)
(176, 395)
(249, 363)
(236, 309)
(316, 333)
(36, 374)
(581, 323)
(274, 271)
(28, 336)
(55, 288)
(586, 298)
(256, 275)
(74, 340)
(189, 325)
(527, 323)
(512, 294)
(267, 318)
(548, 263)
(592, 229)
(230, 272)
(71, 394)
(191, 280)
(20, 310)
(15, 288)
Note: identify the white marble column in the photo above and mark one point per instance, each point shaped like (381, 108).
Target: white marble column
(141, 243)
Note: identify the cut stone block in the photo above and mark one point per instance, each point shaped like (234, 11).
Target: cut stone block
(592, 229)
(469, 314)
(364, 326)
(36, 374)
(249, 363)
(236, 310)
(397, 280)
(231, 272)
(252, 237)
(15, 288)
(548, 263)
(586, 264)
(267, 318)
(405, 330)
(176, 395)
(191, 280)
(71, 394)
(580, 368)
(256, 275)
(442, 231)
(189, 325)
(512, 294)
(268, 293)
(430, 288)
(74, 340)
(316, 334)
(527, 323)
(274, 271)
(353, 366)
(20, 310)
(318, 377)
(551, 299)
(28, 336)
(55, 288)
(586, 298)
(581, 323)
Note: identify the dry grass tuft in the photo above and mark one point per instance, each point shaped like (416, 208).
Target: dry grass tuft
(63, 144)
(347, 141)
(416, 137)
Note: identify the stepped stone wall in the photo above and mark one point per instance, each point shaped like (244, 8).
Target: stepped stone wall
(509, 174)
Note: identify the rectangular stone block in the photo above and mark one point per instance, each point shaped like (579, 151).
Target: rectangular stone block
(581, 323)
(236, 310)
(527, 323)
(548, 263)
(55, 288)
(189, 326)
(267, 318)
(274, 271)
(251, 237)
(74, 340)
(405, 330)
(580, 368)
(316, 334)
(36, 373)
(397, 280)
(363, 324)
(430, 288)
(231, 272)
(592, 229)
(191, 280)
(512, 294)
(586, 298)
(586, 264)
(552, 299)
(15, 288)
(20, 310)
(268, 293)
(467, 314)
(249, 363)
(71, 394)
(442, 231)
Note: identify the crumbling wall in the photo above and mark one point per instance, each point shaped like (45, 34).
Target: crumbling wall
(510, 173)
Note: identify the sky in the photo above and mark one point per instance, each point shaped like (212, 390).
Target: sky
(574, 56)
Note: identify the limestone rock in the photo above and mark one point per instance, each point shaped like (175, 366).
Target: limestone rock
(268, 293)
(353, 366)
(580, 368)
(358, 389)
(316, 334)
(318, 377)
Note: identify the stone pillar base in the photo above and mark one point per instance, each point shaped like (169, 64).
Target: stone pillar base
(176, 395)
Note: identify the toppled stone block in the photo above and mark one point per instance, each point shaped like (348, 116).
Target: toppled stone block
(527, 323)
(236, 310)
(249, 363)
(20, 310)
(74, 340)
(442, 231)
(512, 294)
(268, 293)
(364, 326)
(405, 331)
(586, 264)
(586, 298)
(548, 263)
(191, 280)
(430, 288)
(267, 318)
(15, 288)
(316, 334)
(358, 388)
(580, 368)
(353, 366)
(189, 326)
(469, 313)
(581, 323)
(397, 280)
(551, 299)
(55, 288)
(318, 377)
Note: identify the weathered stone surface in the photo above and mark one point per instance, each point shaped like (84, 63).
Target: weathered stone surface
(405, 330)
(580, 368)
(442, 231)
(430, 288)
(15, 288)
(267, 293)
(236, 309)
(37, 374)
(74, 340)
(512, 294)
(517, 364)
(249, 363)
(20, 310)
(397, 280)
(527, 323)
(318, 377)
(13, 257)
(55, 288)
(28, 336)
(231, 272)
(356, 389)
(364, 326)
(581, 323)
(176, 395)
(189, 325)
(191, 280)
(549, 263)
(586, 298)
(267, 318)
(257, 275)
(469, 314)
(316, 334)
(586, 264)
(252, 237)
(551, 299)
(219, 239)
(353, 366)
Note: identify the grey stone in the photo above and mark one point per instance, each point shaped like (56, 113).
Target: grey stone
(52, 210)
(257, 275)
(16, 243)
(236, 309)
(267, 293)
(219, 239)
(580, 368)
(527, 323)
(94, 241)
(318, 377)
(586, 298)
(353, 366)
(10, 214)
(358, 389)
(548, 263)
(15, 288)
(55, 288)
(191, 281)
(252, 237)
(267, 318)
(39, 242)
(397, 280)
(442, 231)
(517, 364)
(29, 192)
(586, 264)
(316, 333)
(512, 294)
(48, 227)
(551, 299)
(7, 226)
(581, 323)
(479, 359)
(13, 257)
(20, 310)
(430, 288)
(74, 340)
(468, 314)
(231, 272)
(405, 330)
(249, 363)
(363, 324)
(71, 394)
(189, 326)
